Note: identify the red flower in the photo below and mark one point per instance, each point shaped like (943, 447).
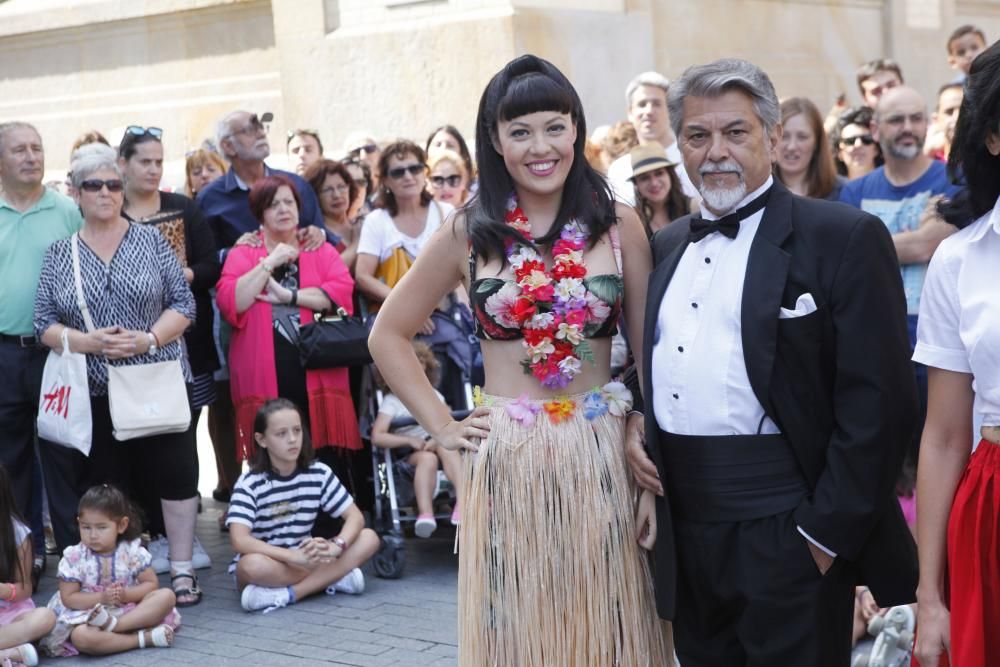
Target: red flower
(568, 270)
(540, 293)
(522, 309)
(563, 349)
(544, 368)
(535, 337)
(527, 268)
(576, 316)
(562, 246)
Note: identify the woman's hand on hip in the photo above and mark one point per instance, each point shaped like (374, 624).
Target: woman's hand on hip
(934, 635)
(458, 435)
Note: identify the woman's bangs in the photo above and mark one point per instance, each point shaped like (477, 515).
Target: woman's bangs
(532, 93)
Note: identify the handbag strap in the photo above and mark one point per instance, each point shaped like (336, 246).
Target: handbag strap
(81, 300)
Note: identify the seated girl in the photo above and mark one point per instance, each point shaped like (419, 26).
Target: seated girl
(417, 448)
(272, 512)
(109, 599)
(20, 622)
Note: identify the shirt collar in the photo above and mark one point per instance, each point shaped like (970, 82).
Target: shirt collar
(47, 200)
(708, 215)
(234, 182)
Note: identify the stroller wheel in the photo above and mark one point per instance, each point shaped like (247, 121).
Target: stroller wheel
(390, 558)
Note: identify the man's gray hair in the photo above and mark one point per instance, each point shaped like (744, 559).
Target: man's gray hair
(719, 77)
(654, 79)
(91, 158)
(224, 129)
(15, 125)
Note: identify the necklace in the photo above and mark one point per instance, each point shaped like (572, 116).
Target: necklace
(549, 306)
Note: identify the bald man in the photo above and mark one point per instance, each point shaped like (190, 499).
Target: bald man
(903, 193)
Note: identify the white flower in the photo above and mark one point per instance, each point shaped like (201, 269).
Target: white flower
(568, 288)
(597, 310)
(575, 256)
(540, 321)
(569, 332)
(523, 254)
(540, 351)
(499, 305)
(619, 398)
(570, 366)
(534, 280)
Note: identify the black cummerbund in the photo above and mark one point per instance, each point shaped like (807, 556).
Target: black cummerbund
(731, 477)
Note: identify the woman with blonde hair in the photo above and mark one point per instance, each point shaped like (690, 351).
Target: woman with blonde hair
(202, 167)
(449, 178)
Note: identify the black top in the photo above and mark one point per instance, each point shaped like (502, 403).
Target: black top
(183, 226)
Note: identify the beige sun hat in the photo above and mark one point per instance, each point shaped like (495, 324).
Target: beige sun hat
(648, 157)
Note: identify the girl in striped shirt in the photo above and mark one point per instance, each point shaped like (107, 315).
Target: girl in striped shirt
(271, 516)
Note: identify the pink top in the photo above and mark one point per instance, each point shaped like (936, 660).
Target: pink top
(253, 379)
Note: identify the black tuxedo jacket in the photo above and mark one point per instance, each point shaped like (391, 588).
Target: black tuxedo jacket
(838, 382)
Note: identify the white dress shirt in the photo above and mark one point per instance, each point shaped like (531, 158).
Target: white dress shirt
(620, 172)
(959, 325)
(702, 387)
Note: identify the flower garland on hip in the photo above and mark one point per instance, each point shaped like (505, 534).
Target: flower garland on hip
(550, 306)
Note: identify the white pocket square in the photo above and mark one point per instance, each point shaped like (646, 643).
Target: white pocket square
(804, 305)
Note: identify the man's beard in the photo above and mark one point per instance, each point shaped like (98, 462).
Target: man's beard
(722, 200)
(904, 152)
(253, 153)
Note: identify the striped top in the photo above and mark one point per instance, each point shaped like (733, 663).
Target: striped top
(281, 510)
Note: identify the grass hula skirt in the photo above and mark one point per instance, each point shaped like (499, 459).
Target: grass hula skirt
(550, 572)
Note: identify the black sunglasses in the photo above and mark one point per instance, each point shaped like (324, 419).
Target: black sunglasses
(367, 148)
(414, 169)
(256, 124)
(866, 140)
(453, 181)
(95, 185)
(140, 131)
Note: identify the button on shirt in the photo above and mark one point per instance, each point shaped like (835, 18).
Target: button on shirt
(702, 387)
(959, 326)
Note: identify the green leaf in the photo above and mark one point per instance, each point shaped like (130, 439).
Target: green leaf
(608, 288)
(584, 352)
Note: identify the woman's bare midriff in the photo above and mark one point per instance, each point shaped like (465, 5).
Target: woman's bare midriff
(505, 375)
(991, 433)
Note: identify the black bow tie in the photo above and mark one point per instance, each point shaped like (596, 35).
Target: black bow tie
(728, 225)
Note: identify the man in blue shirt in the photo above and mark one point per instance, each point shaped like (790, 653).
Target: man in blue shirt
(903, 193)
(242, 138)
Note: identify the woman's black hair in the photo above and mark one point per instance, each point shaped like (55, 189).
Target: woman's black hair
(261, 461)
(526, 85)
(969, 159)
(110, 501)
(463, 148)
(130, 142)
(861, 115)
(678, 204)
(11, 569)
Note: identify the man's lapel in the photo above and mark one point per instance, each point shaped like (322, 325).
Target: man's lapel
(763, 286)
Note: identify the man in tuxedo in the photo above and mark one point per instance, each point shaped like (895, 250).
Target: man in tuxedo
(778, 398)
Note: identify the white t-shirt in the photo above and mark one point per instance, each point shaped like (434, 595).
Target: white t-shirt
(380, 236)
(394, 407)
(959, 325)
(621, 170)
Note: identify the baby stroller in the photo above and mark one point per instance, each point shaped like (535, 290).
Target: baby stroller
(391, 476)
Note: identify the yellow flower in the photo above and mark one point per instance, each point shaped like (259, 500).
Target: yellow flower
(559, 409)
(477, 396)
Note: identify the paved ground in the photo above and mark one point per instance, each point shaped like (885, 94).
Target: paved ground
(407, 621)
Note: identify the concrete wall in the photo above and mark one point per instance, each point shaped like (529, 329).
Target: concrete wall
(402, 67)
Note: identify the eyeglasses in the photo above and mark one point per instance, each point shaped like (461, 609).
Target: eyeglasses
(865, 139)
(367, 148)
(413, 169)
(256, 124)
(140, 131)
(453, 181)
(336, 189)
(361, 183)
(96, 184)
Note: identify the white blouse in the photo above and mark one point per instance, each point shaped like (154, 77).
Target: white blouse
(959, 325)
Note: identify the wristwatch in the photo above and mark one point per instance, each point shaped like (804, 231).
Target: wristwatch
(153, 347)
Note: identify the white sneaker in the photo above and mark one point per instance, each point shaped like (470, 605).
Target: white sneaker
(199, 557)
(353, 583)
(268, 599)
(160, 551)
(425, 526)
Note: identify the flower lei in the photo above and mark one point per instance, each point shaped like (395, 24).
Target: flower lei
(614, 397)
(550, 307)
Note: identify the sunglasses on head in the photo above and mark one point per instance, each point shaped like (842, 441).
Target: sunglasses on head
(367, 148)
(452, 181)
(96, 184)
(414, 169)
(255, 124)
(140, 131)
(866, 140)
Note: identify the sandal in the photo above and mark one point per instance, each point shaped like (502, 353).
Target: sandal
(102, 619)
(191, 591)
(162, 636)
(26, 655)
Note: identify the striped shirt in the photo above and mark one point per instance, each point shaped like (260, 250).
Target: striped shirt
(281, 510)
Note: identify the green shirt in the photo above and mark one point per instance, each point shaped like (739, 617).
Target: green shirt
(24, 238)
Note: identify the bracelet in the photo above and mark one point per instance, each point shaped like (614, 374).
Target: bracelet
(294, 301)
(264, 265)
(339, 541)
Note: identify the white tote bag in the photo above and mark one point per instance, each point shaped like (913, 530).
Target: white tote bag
(64, 405)
(146, 399)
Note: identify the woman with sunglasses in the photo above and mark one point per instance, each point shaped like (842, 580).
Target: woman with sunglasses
(141, 305)
(267, 292)
(179, 219)
(804, 164)
(449, 180)
(856, 152)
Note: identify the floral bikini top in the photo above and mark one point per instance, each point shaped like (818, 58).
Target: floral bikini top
(494, 301)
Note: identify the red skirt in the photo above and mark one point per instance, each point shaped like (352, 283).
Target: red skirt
(974, 562)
